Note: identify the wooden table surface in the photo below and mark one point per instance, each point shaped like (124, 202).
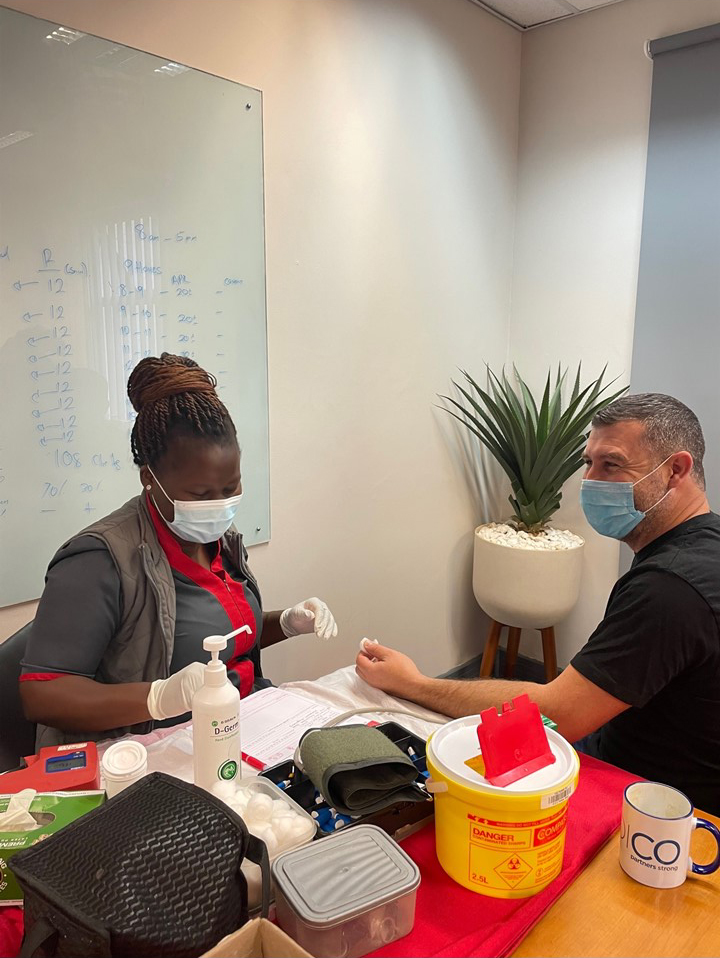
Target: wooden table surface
(606, 913)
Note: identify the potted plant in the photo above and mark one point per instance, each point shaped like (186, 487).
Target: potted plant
(526, 573)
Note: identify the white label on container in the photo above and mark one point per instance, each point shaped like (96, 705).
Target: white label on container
(554, 798)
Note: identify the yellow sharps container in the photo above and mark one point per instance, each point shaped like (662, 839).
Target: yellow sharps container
(503, 842)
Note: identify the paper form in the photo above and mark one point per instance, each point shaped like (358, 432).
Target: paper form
(272, 722)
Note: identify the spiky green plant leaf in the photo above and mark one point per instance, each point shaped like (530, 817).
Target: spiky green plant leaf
(538, 445)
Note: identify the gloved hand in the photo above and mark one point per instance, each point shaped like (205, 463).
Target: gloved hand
(312, 615)
(173, 696)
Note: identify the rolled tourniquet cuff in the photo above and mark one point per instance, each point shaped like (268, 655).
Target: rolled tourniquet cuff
(357, 769)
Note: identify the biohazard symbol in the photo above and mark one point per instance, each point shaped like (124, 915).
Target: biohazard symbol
(513, 869)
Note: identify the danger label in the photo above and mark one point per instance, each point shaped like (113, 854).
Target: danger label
(506, 837)
(504, 871)
(513, 869)
(509, 855)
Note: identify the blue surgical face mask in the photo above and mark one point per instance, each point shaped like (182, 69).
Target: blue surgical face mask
(204, 521)
(609, 507)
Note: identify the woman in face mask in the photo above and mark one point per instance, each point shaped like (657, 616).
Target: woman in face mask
(116, 644)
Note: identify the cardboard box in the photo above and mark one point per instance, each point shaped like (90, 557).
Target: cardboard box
(52, 811)
(259, 938)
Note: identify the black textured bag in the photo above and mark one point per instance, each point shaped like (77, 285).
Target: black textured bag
(154, 871)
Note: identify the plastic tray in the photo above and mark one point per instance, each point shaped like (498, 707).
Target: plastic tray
(257, 785)
(401, 817)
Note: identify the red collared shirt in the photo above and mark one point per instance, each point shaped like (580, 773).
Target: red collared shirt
(226, 590)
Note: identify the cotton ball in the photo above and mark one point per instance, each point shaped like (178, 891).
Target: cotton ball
(281, 809)
(258, 829)
(224, 790)
(299, 817)
(264, 832)
(273, 845)
(283, 830)
(242, 798)
(307, 829)
(299, 828)
(259, 808)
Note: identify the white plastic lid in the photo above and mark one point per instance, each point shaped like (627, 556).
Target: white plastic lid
(124, 760)
(347, 874)
(452, 745)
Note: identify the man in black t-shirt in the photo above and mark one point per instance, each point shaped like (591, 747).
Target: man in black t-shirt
(647, 682)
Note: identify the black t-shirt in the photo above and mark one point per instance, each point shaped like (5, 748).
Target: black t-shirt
(658, 650)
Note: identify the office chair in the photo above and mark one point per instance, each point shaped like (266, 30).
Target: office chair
(17, 735)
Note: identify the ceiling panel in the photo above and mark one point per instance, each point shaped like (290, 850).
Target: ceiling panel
(525, 14)
(582, 5)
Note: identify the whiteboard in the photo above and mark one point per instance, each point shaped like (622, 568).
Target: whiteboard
(131, 223)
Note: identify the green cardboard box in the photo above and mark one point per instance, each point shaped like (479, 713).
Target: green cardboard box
(52, 811)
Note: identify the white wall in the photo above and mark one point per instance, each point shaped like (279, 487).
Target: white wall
(390, 160)
(585, 101)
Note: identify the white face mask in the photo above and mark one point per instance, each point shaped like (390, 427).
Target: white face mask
(203, 522)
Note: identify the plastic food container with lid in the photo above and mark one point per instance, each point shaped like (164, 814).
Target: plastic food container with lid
(262, 786)
(345, 896)
(122, 764)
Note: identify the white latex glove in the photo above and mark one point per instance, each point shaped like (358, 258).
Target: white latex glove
(312, 615)
(173, 696)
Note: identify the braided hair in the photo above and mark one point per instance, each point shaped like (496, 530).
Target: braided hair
(174, 396)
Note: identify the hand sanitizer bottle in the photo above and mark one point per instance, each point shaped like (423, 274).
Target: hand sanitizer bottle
(216, 719)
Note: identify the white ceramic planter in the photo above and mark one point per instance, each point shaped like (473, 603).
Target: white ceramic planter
(526, 588)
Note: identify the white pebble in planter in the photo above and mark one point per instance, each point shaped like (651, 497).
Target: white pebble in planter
(524, 581)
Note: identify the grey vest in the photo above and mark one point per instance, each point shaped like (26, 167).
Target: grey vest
(142, 648)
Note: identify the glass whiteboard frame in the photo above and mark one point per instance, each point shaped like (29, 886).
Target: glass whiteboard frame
(31, 475)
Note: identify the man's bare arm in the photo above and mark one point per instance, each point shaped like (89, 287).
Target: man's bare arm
(575, 704)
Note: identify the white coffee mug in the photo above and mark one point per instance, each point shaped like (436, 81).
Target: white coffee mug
(657, 824)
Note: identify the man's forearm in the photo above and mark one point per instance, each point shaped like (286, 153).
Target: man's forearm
(457, 697)
(573, 702)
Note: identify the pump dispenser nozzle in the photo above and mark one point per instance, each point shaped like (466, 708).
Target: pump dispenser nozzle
(215, 670)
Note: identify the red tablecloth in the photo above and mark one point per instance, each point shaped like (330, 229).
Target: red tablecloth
(11, 931)
(452, 921)
(449, 919)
